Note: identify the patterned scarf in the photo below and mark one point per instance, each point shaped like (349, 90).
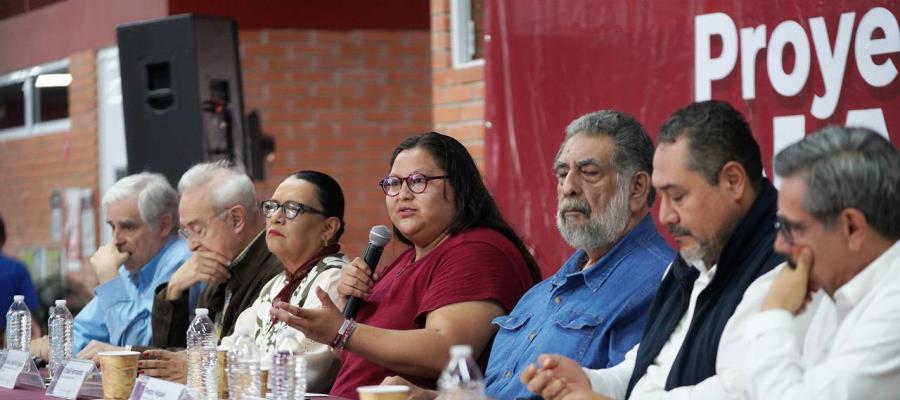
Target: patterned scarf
(295, 279)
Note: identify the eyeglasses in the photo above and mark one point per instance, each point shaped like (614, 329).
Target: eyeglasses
(197, 230)
(416, 183)
(291, 209)
(786, 228)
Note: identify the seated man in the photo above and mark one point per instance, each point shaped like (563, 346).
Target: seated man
(721, 211)
(142, 211)
(594, 308)
(224, 230)
(840, 224)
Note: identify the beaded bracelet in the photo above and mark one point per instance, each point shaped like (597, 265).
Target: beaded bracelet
(343, 334)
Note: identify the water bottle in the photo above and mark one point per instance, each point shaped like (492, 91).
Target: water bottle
(201, 350)
(461, 379)
(243, 366)
(61, 338)
(18, 325)
(288, 375)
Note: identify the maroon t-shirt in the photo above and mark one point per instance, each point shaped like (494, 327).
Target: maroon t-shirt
(476, 265)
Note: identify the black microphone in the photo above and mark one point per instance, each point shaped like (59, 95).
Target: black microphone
(379, 237)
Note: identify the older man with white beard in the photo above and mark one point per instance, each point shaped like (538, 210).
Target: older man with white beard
(594, 308)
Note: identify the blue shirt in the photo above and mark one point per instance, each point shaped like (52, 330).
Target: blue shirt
(14, 279)
(119, 313)
(593, 316)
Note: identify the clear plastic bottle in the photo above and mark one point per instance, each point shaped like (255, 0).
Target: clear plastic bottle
(18, 325)
(462, 378)
(243, 366)
(201, 350)
(288, 374)
(300, 377)
(61, 339)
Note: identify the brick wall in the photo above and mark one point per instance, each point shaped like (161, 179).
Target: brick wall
(457, 94)
(339, 102)
(31, 168)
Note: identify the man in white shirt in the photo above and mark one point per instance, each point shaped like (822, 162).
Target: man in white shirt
(721, 212)
(839, 220)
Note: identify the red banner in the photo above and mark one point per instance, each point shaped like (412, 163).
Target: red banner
(790, 66)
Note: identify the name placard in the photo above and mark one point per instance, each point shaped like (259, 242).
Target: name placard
(147, 388)
(12, 367)
(71, 378)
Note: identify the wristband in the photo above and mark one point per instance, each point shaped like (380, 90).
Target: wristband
(346, 336)
(338, 338)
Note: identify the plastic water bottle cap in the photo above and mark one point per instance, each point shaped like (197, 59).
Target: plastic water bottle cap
(201, 311)
(461, 350)
(19, 297)
(60, 303)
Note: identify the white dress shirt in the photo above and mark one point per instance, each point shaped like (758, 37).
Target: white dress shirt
(852, 350)
(729, 381)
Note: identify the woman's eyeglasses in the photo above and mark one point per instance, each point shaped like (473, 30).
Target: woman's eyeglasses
(291, 209)
(416, 183)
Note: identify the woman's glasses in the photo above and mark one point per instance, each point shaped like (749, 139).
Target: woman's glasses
(291, 209)
(416, 182)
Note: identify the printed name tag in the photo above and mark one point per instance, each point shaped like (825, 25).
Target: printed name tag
(70, 380)
(156, 389)
(12, 367)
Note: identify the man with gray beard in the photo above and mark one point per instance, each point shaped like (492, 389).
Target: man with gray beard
(594, 308)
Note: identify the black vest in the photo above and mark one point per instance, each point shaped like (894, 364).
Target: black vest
(747, 255)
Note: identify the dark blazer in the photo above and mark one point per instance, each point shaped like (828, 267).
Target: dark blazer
(248, 276)
(747, 255)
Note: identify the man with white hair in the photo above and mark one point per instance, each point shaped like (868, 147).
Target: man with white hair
(224, 229)
(142, 210)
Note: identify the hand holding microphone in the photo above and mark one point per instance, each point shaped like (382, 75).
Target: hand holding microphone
(379, 237)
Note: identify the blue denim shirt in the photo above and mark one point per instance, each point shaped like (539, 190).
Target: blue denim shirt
(119, 313)
(593, 316)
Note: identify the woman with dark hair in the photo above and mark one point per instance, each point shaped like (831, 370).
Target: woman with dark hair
(465, 268)
(304, 222)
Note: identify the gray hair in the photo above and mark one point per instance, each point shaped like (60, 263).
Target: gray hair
(632, 150)
(153, 193)
(847, 168)
(227, 186)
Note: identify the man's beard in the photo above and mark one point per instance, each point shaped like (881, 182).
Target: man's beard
(706, 249)
(600, 229)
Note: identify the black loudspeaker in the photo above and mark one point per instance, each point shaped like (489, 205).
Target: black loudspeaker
(181, 88)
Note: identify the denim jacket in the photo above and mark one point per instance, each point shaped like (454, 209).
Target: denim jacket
(593, 316)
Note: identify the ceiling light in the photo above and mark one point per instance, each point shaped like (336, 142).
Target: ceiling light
(53, 80)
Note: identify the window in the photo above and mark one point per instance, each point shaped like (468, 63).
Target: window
(12, 105)
(467, 32)
(35, 100)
